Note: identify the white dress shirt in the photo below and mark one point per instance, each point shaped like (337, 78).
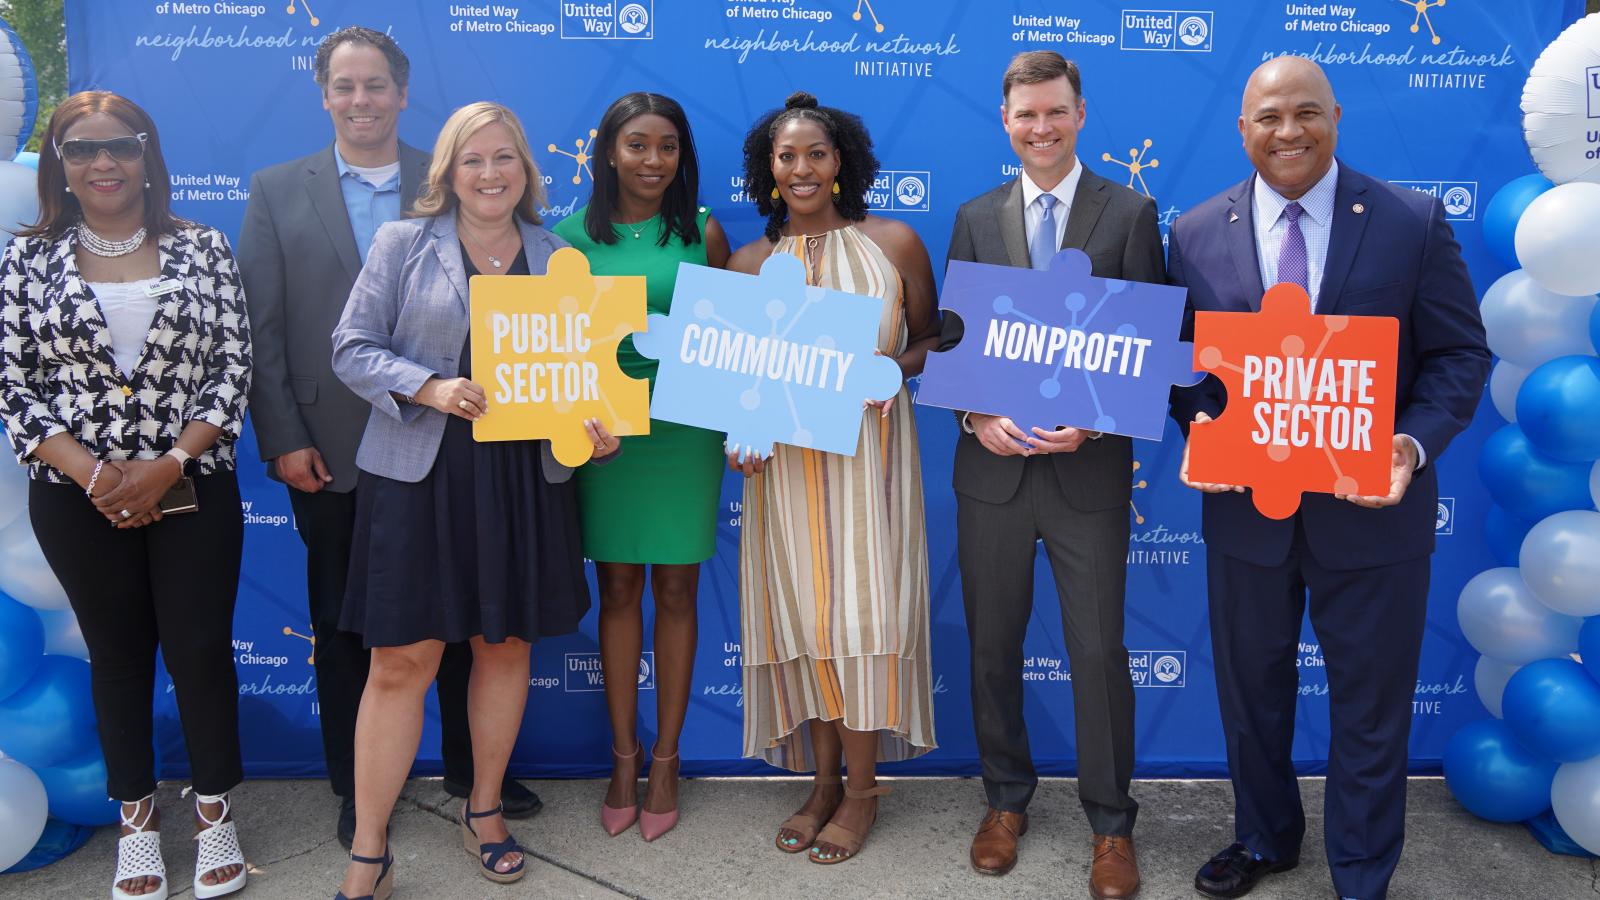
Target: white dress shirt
(1033, 213)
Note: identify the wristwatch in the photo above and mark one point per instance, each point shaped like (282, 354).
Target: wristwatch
(187, 465)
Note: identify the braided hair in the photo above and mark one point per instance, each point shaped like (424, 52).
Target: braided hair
(858, 166)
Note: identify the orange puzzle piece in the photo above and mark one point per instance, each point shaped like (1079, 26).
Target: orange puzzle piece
(1310, 401)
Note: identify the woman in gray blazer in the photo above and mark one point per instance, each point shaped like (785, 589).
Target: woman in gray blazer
(454, 540)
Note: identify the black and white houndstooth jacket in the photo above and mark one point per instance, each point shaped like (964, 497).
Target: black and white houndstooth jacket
(57, 373)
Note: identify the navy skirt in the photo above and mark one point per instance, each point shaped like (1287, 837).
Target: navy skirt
(482, 545)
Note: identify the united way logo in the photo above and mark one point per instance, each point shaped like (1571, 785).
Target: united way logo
(582, 673)
(1158, 668)
(1445, 521)
(614, 20)
(1167, 29)
(1593, 82)
(901, 190)
(1459, 198)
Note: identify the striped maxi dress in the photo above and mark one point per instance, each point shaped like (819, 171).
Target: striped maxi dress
(833, 565)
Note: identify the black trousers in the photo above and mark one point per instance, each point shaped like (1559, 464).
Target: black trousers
(1370, 623)
(170, 586)
(325, 521)
(1088, 554)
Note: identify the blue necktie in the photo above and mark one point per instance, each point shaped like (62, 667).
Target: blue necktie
(1043, 246)
(1293, 260)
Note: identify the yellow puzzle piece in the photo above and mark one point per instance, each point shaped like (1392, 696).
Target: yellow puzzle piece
(544, 348)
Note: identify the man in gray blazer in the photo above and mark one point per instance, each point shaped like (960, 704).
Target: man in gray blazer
(307, 227)
(1065, 487)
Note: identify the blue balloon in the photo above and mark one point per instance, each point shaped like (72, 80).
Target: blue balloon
(1594, 326)
(1528, 484)
(77, 791)
(1589, 645)
(1500, 217)
(1553, 707)
(28, 158)
(1491, 774)
(51, 718)
(1557, 405)
(1504, 533)
(21, 642)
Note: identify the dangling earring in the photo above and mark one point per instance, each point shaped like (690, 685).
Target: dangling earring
(68, 189)
(147, 185)
(836, 187)
(774, 194)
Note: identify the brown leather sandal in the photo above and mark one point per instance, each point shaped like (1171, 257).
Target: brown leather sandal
(807, 826)
(843, 838)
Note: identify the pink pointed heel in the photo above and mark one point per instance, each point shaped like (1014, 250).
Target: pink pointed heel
(613, 819)
(653, 825)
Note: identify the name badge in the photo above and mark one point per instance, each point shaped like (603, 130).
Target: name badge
(163, 287)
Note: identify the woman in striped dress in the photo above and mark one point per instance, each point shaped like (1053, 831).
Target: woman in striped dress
(833, 556)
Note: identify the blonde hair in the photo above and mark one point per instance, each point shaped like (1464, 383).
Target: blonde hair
(437, 196)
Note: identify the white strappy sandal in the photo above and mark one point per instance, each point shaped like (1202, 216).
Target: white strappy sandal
(139, 856)
(216, 846)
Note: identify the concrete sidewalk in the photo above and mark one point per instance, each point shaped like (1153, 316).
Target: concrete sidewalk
(723, 847)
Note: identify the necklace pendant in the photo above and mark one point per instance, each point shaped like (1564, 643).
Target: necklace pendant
(494, 262)
(636, 235)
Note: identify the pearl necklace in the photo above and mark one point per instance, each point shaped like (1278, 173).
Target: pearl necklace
(99, 246)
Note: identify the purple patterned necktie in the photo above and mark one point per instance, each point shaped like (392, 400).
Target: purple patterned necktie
(1293, 266)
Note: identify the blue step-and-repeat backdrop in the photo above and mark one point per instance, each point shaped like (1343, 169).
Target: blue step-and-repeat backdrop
(1430, 97)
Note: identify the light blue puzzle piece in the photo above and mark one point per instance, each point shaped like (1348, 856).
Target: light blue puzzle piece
(767, 358)
(1061, 347)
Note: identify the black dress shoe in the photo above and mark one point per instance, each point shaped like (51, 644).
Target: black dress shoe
(1235, 871)
(517, 802)
(347, 821)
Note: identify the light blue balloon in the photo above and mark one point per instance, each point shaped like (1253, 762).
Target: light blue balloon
(1530, 324)
(1502, 619)
(21, 643)
(77, 791)
(1491, 773)
(1594, 327)
(1558, 408)
(1553, 707)
(1504, 210)
(51, 718)
(1560, 562)
(1502, 530)
(1527, 483)
(1489, 677)
(28, 158)
(13, 492)
(62, 634)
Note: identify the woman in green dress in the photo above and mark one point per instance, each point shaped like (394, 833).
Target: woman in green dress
(656, 506)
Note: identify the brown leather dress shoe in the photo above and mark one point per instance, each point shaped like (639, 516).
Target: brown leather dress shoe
(994, 847)
(1115, 875)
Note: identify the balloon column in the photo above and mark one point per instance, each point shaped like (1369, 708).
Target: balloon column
(52, 776)
(1536, 620)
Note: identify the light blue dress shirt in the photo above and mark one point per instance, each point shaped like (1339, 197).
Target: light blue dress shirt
(1316, 224)
(368, 206)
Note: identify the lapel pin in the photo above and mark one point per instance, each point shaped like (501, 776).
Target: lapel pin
(1233, 217)
(1358, 209)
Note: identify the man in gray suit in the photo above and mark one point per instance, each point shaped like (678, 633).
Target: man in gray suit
(1066, 487)
(307, 227)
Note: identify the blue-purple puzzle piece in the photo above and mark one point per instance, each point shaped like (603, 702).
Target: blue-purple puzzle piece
(1061, 347)
(767, 358)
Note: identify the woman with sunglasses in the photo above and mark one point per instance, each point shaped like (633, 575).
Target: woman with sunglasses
(122, 388)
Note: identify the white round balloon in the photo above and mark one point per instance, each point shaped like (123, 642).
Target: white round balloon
(1489, 677)
(23, 810)
(1560, 561)
(1530, 325)
(1575, 797)
(19, 198)
(1503, 620)
(13, 490)
(24, 574)
(1594, 483)
(1557, 104)
(1557, 236)
(1504, 382)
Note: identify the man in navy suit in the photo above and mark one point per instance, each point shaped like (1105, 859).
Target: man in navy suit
(1359, 246)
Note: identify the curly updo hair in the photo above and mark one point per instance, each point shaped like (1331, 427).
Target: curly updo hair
(858, 165)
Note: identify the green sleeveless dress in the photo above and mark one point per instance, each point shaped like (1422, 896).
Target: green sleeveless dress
(657, 503)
